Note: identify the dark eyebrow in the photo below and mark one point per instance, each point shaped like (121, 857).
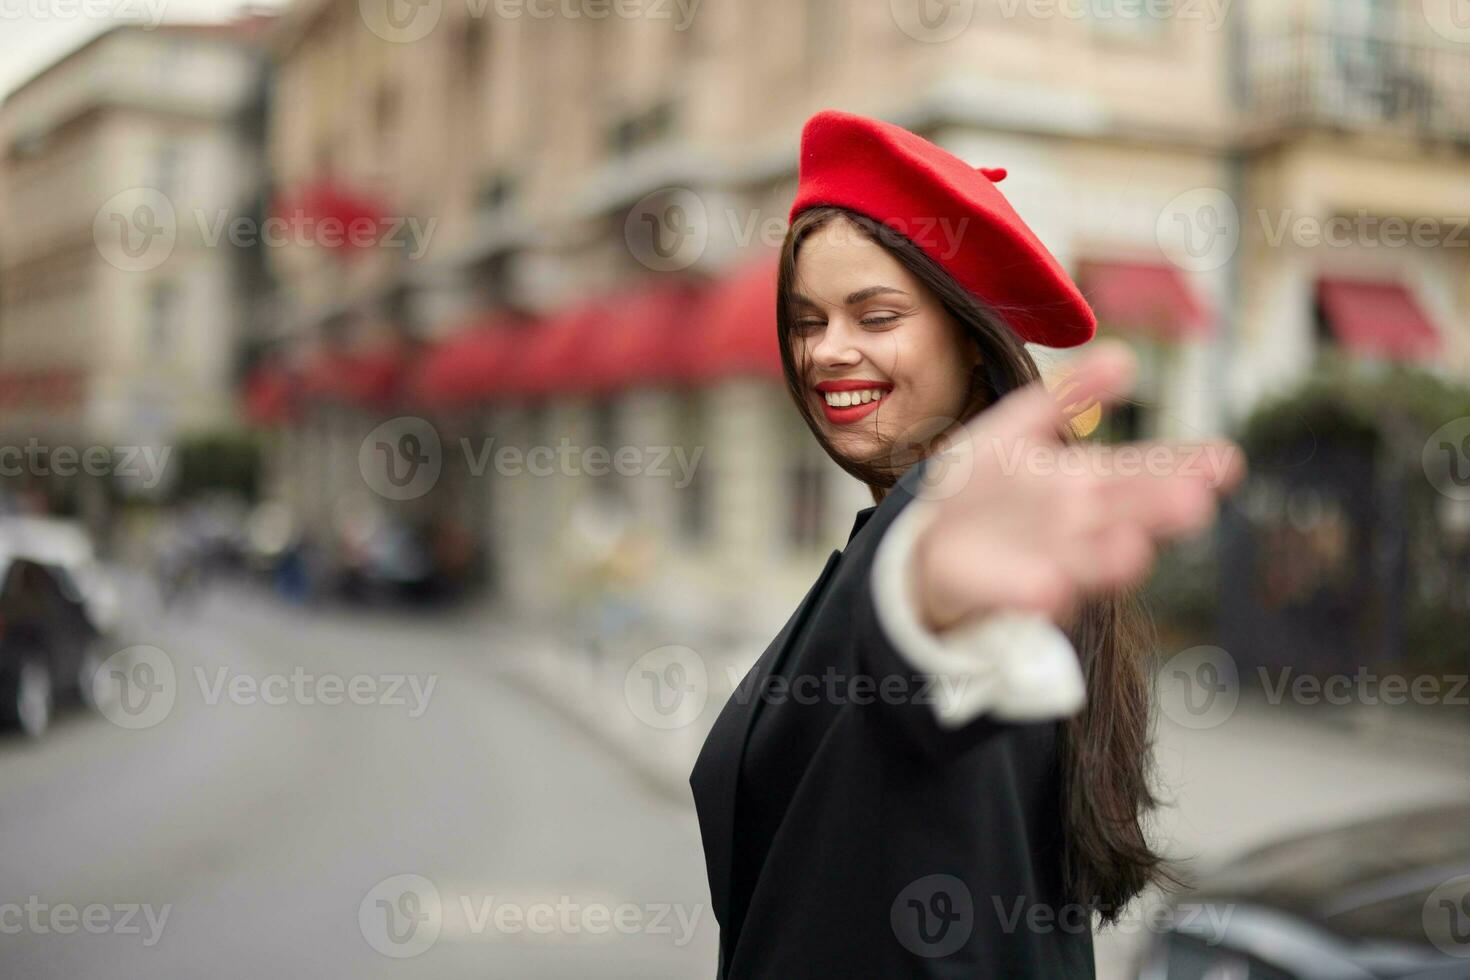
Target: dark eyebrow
(866, 293)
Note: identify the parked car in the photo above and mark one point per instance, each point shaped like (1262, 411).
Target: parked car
(57, 613)
(1387, 897)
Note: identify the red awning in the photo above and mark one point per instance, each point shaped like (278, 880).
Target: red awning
(328, 212)
(553, 357)
(1144, 297)
(471, 365)
(363, 378)
(737, 325)
(646, 336)
(268, 395)
(1377, 317)
(53, 389)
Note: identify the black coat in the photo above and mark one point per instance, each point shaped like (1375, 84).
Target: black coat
(847, 835)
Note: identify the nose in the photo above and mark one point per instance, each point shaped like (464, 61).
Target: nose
(836, 347)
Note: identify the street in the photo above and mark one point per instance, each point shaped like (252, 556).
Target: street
(259, 829)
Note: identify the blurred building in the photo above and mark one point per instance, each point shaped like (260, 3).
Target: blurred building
(552, 195)
(122, 292)
(1354, 150)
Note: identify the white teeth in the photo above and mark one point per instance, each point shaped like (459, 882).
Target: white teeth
(844, 399)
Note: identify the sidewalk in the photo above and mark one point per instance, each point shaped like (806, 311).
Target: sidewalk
(608, 695)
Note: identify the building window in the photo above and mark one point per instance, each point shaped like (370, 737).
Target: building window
(472, 51)
(807, 495)
(472, 84)
(166, 166)
(693, 498)
(495, 192)
(635, 130)
(162, 304)
(607, 482)
(385, 111)
(1137, 416)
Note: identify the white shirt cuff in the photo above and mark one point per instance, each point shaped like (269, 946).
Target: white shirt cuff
(1014, 665)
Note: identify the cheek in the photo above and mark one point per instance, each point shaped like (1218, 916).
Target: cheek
(932, 371)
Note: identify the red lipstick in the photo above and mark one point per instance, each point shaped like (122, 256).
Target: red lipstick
(848, 414)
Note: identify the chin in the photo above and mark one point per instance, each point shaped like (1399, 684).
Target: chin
(855, 445)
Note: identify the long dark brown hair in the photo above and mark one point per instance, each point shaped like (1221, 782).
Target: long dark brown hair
(1105, 750)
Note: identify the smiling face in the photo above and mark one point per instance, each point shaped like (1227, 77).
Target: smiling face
(875, 341)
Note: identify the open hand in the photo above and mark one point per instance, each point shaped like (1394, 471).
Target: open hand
(1025, 521)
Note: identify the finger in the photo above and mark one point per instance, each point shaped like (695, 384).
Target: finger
(1029, 414)
(1216, 463)
(1103, 375)
(1162, 506)
(1116, 556)
(1008, 579)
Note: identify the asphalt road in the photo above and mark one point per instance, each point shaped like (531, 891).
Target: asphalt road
(454, 830)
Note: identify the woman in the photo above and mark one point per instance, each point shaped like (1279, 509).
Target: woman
(924, 775)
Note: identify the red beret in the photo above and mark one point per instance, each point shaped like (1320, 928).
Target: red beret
(952, 211)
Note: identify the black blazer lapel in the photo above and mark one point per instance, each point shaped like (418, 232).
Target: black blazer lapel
(717, 770)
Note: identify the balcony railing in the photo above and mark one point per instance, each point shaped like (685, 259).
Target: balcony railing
(1328, 79)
